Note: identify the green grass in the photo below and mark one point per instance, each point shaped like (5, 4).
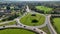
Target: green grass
(45, 29)
(10, 23)
(27, 19)
(45, 9)
(0, 21)
(57, 24)
(16, 31)
(13, 22)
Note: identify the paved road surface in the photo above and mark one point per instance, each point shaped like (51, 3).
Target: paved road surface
(33, 28)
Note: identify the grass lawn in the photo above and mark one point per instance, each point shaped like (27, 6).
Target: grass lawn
(45, 29)
(13, 22)
(57, 24)
(27, 19)
(16, 31)
(0, 21)
(10, 23)
(45, 9)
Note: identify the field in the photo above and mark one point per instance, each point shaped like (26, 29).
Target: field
(32, 20)
(43, 8)
(16, 31)
(56, 24)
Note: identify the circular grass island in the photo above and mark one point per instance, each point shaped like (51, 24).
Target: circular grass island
(16, 31)
(33, 19)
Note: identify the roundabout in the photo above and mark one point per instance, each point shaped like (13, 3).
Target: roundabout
(31, 21)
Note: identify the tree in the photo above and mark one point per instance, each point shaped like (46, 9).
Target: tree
(8, 8)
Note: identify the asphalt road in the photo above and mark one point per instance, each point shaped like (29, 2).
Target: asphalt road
(47, 22)
(33, 28)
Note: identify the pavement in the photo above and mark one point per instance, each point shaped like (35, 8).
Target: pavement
(20, 25)
(47, 22)
(33, 28)
(50, 25)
